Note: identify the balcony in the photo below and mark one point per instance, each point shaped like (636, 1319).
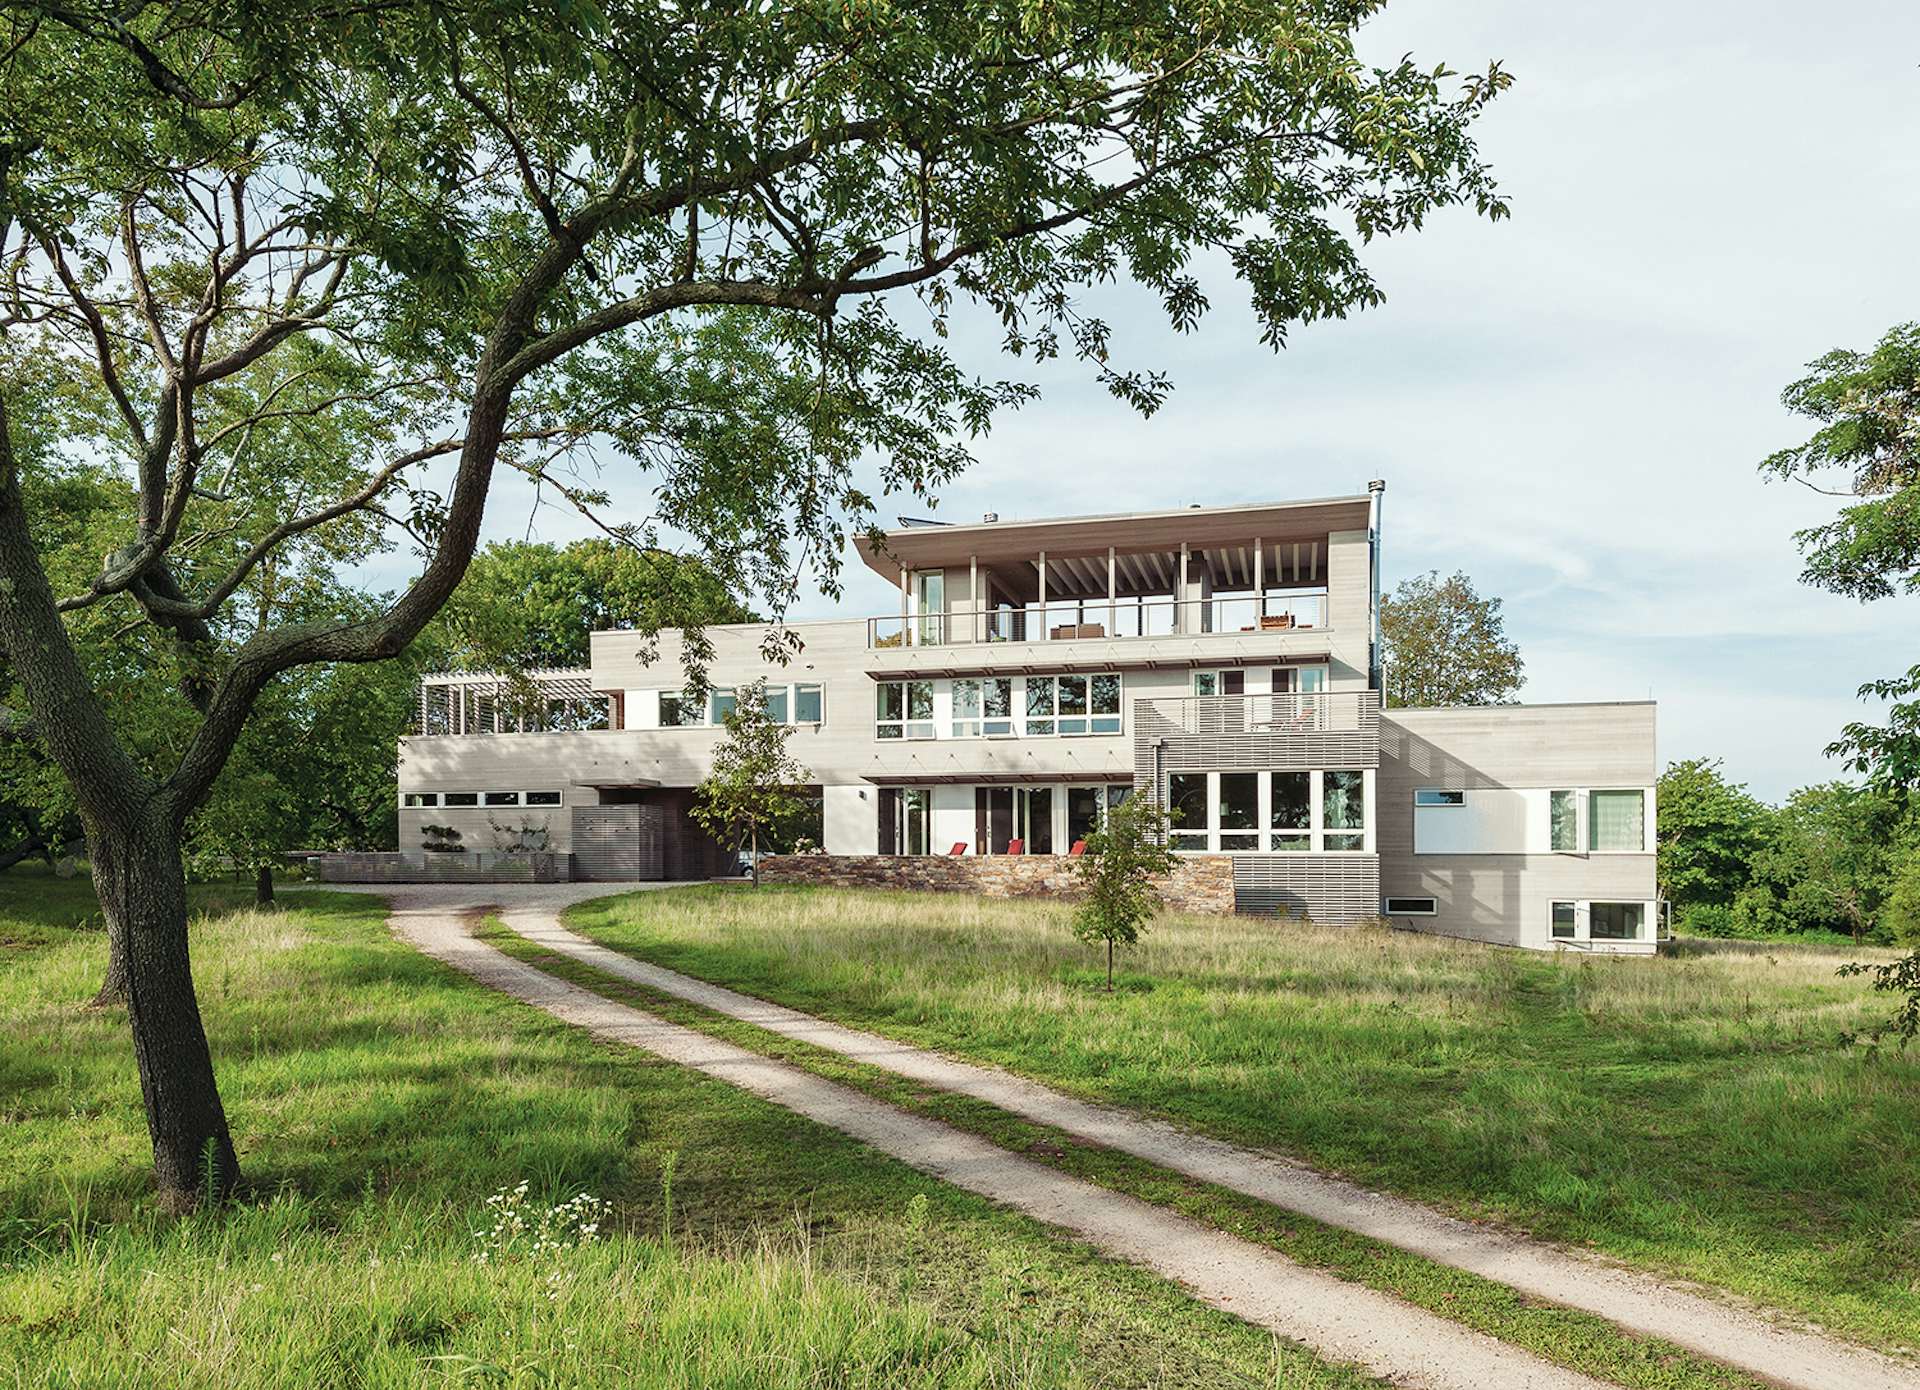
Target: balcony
(1325, 729)
(1099, 619)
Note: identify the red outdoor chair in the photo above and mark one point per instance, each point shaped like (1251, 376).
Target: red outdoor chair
(1079, 848)
(1016, 846)
(959, 848)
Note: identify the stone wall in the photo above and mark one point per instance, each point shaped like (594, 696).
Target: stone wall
(422, 867)
(1203, 883)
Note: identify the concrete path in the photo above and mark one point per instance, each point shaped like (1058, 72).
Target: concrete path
(1340, 1321)
(1779, 1351)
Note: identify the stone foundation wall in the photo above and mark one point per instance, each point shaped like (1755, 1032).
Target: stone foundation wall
(405, 867)
(1203, 883)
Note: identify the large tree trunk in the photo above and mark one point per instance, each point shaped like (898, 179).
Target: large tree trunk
(113, 989)
(143, 890)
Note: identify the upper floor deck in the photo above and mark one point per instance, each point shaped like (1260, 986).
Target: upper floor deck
(1281, 581)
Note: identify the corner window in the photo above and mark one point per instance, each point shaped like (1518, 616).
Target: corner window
(1439, 798)
(1563, 919)
(1563, 815)
(421, 799)
(1616, 821)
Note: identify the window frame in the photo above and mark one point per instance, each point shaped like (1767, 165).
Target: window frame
(422, 801)
(499, 799)
(1592, 829)
(1315, 837)
(527, 798)
(907, 728)
(467, 801)
(1424, 798)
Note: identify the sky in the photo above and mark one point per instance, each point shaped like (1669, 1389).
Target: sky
(1569, 405)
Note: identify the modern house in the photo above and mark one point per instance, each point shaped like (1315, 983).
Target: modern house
(1035, 673)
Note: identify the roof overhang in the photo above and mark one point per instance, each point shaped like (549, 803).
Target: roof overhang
(936, 547)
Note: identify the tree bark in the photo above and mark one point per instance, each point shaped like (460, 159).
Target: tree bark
(113, 989)
(143, 890)
(263, 885)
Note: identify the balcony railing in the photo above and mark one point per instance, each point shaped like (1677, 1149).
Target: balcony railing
(1312, 712)
(1097, 619)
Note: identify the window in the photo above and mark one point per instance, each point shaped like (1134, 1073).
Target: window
(543, 798)
(932, 585)
(1439, 798)
(422, 799)
(1087, 808)
(807, 708)
(1105, 702)
(460, 799)
(1073, 704)
(966, 709)
(903, 709)
(1563, 816)
(1187, 795)
(996, 707)
(1616, 820)
(776, 704)
(1409, 907)
(903, 820)
(1291, 816)
(1343, 810)
(1206, 682)
(1039, 705)
(721, 704)
(1033, 818)
(679, 711)
(1239, 805)
(1614, 921)
(503, 798)
(1563, 917)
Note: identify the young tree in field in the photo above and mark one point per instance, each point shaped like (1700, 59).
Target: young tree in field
(1866, 452)
(1446, 645)
(1120, 875)
(1709, 832)
(316, 278)
(754, 788)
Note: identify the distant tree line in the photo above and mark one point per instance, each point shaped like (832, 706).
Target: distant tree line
(1838, 859)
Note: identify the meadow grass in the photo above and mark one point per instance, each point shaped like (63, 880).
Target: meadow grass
(379, 1100)
(1690, 1113)
(1584, 1342)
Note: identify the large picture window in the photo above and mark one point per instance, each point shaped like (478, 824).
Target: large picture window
(1288, 812)
(983, 707)
(1073, 705)
(903, 709)
(1617, 820)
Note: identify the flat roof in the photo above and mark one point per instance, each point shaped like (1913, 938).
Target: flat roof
(1202, 527)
